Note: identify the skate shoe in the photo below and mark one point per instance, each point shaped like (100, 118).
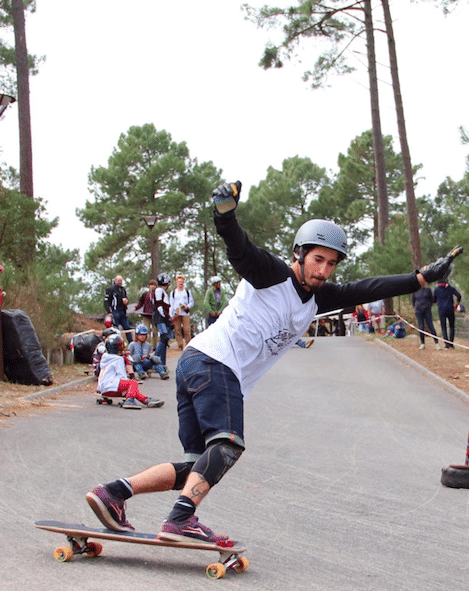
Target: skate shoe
(154, 402)
(191, 530)
(132, 404)
(108, 509)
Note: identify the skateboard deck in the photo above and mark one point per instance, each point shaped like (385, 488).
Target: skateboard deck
(78, 535)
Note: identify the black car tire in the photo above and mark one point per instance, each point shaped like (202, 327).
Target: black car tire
(455, 476)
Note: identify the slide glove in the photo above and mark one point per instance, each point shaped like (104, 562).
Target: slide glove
(439, 269)
(226, 196)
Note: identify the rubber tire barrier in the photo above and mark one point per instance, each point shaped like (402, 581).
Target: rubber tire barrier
(455, 476)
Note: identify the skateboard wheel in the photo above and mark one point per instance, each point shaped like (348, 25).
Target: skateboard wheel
(63, 554)
(99, 401)
(95, 549)
(109, 401)
(216, 570)
(242, 564)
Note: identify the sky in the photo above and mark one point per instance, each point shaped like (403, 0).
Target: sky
(191, 68)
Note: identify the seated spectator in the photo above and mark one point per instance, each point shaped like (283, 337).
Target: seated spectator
(322, 328)
(396, 330)
(140, 352)
(113, 379)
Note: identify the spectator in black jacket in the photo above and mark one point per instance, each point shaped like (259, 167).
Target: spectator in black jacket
(115, 303)
(422, 300)
(443, 296)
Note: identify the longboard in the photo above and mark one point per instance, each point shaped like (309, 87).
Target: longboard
(78, 535)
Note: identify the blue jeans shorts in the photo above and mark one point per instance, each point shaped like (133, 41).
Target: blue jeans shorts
(210, 403)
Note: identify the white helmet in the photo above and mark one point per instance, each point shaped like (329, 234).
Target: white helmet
(215, 279)
(321, 233)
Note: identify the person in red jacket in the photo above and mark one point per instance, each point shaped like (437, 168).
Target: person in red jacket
(147, 302)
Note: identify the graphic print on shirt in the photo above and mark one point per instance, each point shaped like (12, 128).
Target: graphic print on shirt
(278, 342)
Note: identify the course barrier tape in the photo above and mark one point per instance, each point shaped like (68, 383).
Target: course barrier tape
(428, 334)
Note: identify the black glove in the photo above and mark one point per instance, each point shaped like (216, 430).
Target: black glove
(226, 196)
(439, 268)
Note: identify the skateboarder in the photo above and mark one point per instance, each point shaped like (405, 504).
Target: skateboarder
(273, 306)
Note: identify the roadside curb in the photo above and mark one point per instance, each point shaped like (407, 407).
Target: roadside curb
(57, 389)
(429, 374)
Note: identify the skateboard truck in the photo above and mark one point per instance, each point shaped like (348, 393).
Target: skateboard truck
(77, 545)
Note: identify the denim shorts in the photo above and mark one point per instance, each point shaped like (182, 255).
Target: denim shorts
(210, 403)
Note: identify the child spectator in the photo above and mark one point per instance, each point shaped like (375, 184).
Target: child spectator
(113, 378)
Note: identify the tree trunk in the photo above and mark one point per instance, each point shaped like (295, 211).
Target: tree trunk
(378, 145)
(416, 253)
(24, 112)
(155, 254)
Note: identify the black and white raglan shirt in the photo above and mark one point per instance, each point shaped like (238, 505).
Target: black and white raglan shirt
(270, 310)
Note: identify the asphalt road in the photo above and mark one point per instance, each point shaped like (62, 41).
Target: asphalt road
(339, 488)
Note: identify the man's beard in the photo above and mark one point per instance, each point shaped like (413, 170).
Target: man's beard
(316, 288)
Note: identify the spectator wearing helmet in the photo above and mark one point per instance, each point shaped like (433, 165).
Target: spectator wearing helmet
(101, 348)
(161, 317)
(273, 306)
(113, 379)
(143, 360)
(215, 300)
(147, 303)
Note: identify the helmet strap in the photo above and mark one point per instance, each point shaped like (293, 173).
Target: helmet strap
(301, 260)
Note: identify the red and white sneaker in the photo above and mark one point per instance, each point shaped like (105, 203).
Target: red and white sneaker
(191, 530)
(108, 509)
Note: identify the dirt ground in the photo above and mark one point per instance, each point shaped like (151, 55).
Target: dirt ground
(450, 364)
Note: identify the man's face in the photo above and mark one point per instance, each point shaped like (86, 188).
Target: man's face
(217, 285)
(180, 282)
(319, 263)
(152, 286)
(118, 280)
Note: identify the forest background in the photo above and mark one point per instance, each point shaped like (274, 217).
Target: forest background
(150, 174)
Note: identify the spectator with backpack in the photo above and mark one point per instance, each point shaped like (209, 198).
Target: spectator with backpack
(181, 302)
(161, 317)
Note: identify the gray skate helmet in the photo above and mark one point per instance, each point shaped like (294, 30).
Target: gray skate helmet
(163, 279)
(320, 233)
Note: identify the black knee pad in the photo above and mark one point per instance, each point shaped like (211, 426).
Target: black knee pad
(218, 458)
(182, 472)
